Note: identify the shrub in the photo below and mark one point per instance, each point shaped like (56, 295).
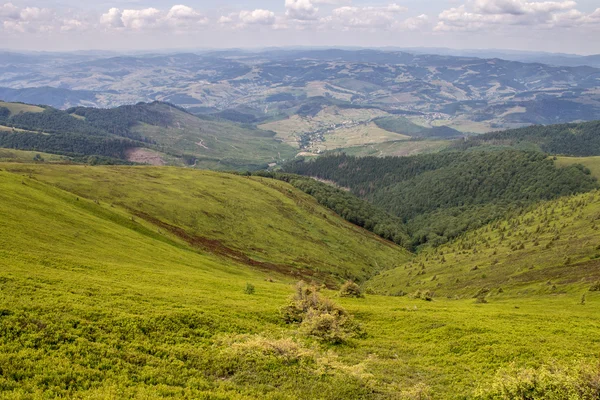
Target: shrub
(319, 317)
(423, 295)
(480, 296)
(250, 289)
(351, 289)
(595, 287)
(580, 381)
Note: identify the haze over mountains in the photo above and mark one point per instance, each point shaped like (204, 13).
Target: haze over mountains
(490, 92)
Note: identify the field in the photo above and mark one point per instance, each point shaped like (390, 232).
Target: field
(397, 148)
(9, 155)
(99, 303)
(291, 129)
(16, 108)
(593, 163)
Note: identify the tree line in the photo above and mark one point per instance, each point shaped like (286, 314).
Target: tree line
(439, 196)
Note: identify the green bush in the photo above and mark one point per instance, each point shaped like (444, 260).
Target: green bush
(581, 382)
(319, 317)
(250, 289)
(351, 289)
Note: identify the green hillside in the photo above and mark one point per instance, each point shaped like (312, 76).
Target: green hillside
(215, 143)
(592, 163)
(580, 139)
(259, 221)
(440, 196)
(173, 135)
(404, 126)
(98, 302)
(552, 249)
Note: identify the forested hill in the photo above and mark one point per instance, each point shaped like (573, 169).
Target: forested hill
(582, 139)
(167, 133)
(440, 196)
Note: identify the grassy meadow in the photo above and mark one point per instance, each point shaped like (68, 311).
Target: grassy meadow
(99, 302)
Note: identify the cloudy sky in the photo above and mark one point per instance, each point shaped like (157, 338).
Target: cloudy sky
(556, 26)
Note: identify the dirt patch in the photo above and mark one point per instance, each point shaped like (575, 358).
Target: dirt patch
(218, 248)
(145, 156)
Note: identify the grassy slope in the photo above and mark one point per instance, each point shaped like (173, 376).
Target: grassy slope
(549, 250)
(95, 305)
(266, 220)
(222, 141)
(593, 163)
(16, 108)
(400, 148)
(10, 155)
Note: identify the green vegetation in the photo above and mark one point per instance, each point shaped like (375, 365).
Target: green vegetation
(271, 226)
(551, 249)
(348, 206)
(399, 148)
(440, 196)
(582, 139)
(403, 126)
(98, 302)
(17, 108)
(591, 163)
(181, 137)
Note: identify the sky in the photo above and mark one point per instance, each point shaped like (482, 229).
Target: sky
(565, 26)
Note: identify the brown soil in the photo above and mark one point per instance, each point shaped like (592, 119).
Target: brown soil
(216, 247)
(145, 156)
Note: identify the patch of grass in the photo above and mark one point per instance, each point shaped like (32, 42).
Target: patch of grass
(593, 163)
(17, 108)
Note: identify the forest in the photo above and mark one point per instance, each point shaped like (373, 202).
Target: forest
(440, 196)
(578, 140)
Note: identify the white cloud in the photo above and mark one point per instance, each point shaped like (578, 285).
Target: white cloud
(184, 16)
(9, 11)
(416, 23)
(140, 19)
(112, 19)
(365, 17)
(257, 17)
(302, 10)
(520, 7)
(178, 17)
(493, 14)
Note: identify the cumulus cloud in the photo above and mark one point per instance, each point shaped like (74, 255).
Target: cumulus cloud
(179, 16)
(365, 17)
(14, 19)
(257, 17)
(491, 14)
(112, 19)
(302, 10)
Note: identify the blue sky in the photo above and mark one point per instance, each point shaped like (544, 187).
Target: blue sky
(554, 25)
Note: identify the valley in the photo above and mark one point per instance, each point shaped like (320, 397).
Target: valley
(299, 224)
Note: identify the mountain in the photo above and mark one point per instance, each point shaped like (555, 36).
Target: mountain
(467, 93)
(157, 133)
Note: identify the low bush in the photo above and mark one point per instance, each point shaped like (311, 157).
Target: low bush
(319, 317)
(581, 382)
(351, 289)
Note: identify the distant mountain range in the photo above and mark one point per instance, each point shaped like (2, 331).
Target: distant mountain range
(459, 89)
